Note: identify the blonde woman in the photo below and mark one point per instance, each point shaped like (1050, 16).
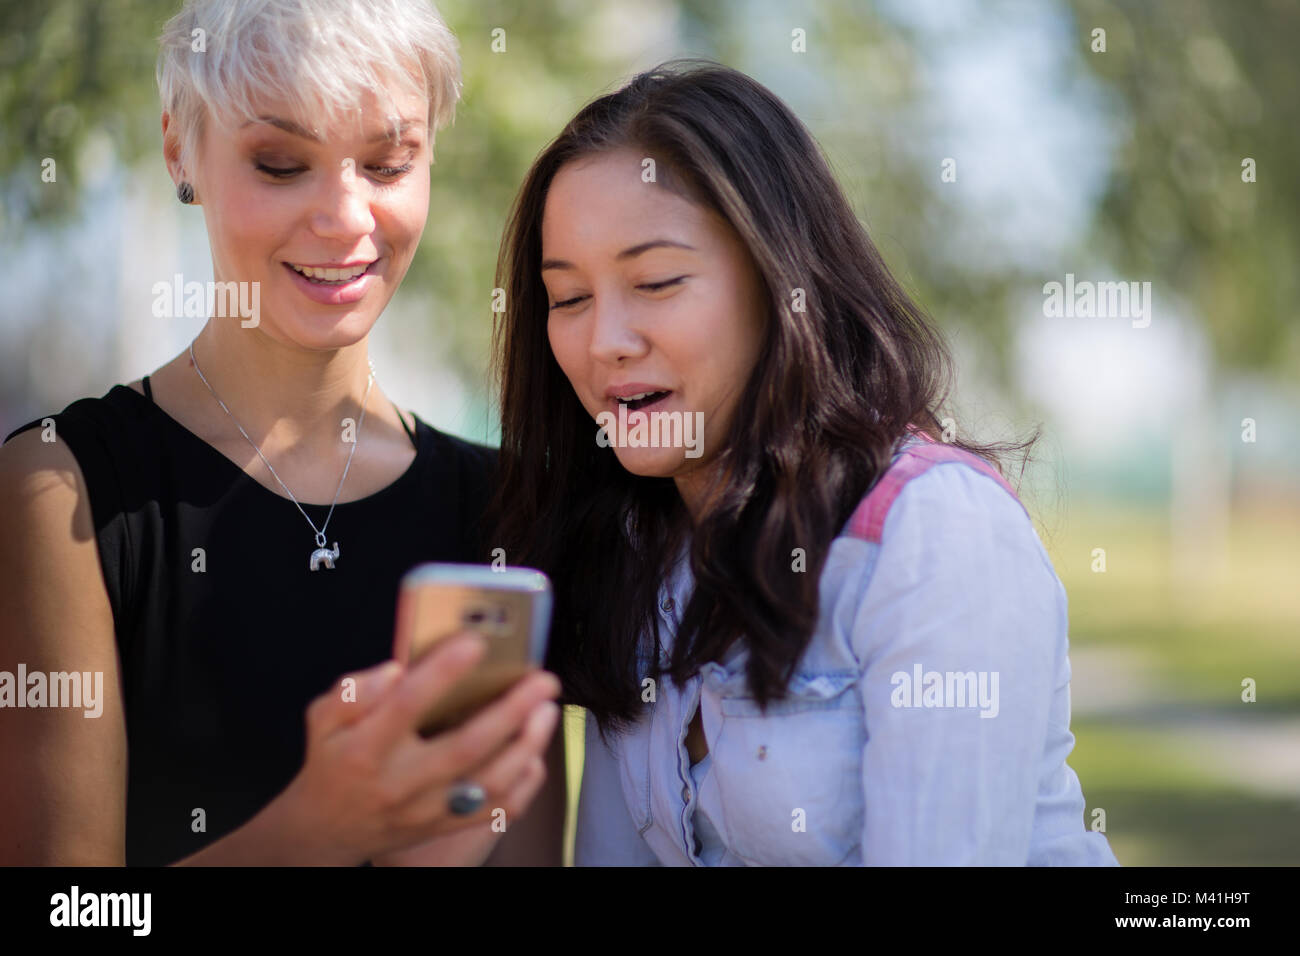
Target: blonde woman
(219, 549)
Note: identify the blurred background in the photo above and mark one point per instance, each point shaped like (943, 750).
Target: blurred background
(990, 148)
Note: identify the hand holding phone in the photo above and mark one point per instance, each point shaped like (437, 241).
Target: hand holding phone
(510, 608)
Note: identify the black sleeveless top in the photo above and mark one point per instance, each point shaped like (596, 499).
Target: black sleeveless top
(224, 634)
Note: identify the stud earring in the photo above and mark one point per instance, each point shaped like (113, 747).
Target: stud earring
(185, 193)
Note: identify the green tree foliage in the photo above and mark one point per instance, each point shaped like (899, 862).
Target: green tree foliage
(1207, 85)
(1199, 86)
(69, 68)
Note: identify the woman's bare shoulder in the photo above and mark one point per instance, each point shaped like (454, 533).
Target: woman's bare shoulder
(35, 461)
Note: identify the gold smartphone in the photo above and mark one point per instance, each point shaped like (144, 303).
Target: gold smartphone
(510, 607)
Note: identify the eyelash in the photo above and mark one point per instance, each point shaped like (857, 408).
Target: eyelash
(282, 173)
(651, 286)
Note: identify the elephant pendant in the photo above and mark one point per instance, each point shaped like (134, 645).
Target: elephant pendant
(324, 555)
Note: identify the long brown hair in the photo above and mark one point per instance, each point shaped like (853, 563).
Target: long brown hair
(836, 384)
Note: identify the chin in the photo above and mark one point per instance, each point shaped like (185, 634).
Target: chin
(650, 462)
(324, 331)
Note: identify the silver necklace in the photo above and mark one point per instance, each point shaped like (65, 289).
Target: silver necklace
(322, 556)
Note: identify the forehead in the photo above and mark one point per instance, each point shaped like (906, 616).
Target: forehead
(398, 107)
(604, 199)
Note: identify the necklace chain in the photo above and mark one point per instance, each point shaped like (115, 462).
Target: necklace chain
(320, 532)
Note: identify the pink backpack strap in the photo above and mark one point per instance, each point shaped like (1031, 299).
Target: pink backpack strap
(868, 521)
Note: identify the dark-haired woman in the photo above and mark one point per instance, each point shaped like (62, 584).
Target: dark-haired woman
(806, 629)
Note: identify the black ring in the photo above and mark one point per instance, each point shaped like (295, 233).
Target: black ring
(466, 799)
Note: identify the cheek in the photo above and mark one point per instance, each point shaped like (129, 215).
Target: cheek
(247, 225)
(256, 225)
(569, 346)
(408, 214)
(723, 339)
(254, 214)
(564, 345)
(747, 324)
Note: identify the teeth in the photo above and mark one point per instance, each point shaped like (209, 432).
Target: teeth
(331, 275)
(636, 398)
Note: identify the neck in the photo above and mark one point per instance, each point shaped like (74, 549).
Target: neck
(270, 387)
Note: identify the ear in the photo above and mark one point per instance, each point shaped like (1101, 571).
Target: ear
(172, 154)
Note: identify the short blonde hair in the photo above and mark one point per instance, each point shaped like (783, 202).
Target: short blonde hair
(216, 56)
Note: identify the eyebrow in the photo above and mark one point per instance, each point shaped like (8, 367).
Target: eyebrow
(629, 253)
(289, 126)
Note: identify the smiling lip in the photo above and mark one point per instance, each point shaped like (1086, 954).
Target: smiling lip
(343, 294)
(336, 265)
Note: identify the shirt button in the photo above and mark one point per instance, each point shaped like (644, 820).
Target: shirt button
(762, 753)
(686, 794)
(668, 604)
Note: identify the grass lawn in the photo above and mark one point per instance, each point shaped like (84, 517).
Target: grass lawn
(1203, 622)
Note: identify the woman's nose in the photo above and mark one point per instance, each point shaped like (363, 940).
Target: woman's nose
(614, 333)
(343, 208)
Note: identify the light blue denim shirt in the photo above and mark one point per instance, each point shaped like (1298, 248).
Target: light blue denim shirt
(926, 724)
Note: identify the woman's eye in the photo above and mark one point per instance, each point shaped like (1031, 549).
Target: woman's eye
(280, 172)
(646, 286)
(656, 286)
(393, 170)
(286, 172)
